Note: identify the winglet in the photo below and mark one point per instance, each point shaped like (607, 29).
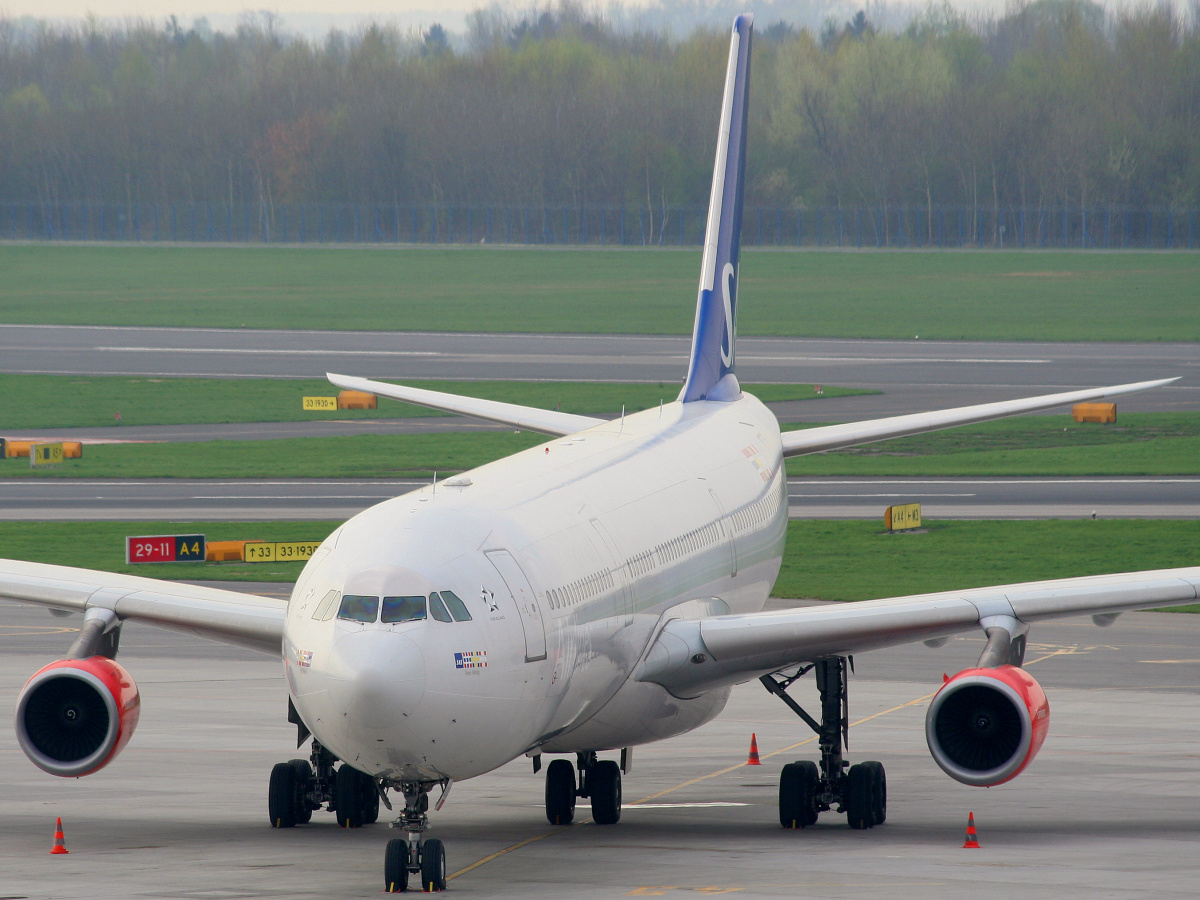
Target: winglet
(710, 372)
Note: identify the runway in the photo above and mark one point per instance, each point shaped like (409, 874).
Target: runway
(916, 375)
(809, 498)
(1107, 810)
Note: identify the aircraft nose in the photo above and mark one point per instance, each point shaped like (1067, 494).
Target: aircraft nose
(379, 677)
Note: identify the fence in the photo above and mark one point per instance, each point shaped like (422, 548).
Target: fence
(950, 227)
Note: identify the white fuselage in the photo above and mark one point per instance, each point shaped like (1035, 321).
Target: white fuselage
(567, 556)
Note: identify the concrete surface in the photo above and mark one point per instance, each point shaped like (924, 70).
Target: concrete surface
(1108, 810)
(810, 498)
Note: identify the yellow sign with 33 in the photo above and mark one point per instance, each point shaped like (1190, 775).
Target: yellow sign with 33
(320, 403)
(279, 551)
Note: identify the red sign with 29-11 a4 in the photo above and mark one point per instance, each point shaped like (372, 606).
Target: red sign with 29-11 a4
(164, 548)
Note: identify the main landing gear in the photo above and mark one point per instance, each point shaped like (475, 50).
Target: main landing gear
(805, 791)
(414, 856)
(301, 786)
(599, 780)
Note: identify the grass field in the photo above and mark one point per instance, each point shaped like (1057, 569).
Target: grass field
(1141, 444)
(1138, 444)
(824, 560)
(70, 401)
(1019, 295)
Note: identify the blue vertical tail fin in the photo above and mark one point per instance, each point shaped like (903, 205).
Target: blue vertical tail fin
(710, 372)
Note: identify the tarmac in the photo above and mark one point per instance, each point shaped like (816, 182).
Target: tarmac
(1107, 810)
(248, 500)
(917, 375)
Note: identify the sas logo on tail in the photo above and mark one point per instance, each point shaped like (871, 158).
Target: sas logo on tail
(470, 659)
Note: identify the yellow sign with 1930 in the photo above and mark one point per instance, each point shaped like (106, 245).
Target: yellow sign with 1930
(315, 403)
(902, 517)
(279, 551)
(45, 454)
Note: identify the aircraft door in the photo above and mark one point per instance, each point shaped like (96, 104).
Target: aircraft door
(613, 555)
(526, 603)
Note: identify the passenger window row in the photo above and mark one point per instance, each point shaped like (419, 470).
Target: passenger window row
(583, 589)
(444, 607)
(694, 540)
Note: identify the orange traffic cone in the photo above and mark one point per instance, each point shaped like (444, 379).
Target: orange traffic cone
(59, 843)
(753, 760)
(972, 839)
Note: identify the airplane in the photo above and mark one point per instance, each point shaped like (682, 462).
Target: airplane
(599, 591)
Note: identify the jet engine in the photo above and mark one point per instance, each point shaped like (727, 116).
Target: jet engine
(986, 725)
(75, 715)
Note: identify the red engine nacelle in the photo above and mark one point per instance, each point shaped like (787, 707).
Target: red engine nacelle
(986, 725)
(75, 715)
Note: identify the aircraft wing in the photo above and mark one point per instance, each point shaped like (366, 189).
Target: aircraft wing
(528, 418)
(691, 656)
(833, 437)
(231, 617)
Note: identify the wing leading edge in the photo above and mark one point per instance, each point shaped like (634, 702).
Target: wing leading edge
(736, 648)
(231, 617)
(834, 437)
(529, 418)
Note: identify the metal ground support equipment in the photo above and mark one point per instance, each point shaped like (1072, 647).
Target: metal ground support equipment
(805, 791)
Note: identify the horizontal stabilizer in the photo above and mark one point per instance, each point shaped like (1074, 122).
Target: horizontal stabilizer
(527, 418)
(833, 437)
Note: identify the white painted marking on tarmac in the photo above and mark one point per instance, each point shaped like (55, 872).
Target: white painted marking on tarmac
(993, 481)
(279, 497)
(707, 805)
(887, 359)
(1171, 662)
(256, 351)
(890, 494)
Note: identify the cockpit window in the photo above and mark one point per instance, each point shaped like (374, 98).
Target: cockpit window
(325, 609)
(403, 609)
(437, 609)
(457, 608)
(356, 608)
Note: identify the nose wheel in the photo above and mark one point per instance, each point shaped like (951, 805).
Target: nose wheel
(806, 791)
(415, 858)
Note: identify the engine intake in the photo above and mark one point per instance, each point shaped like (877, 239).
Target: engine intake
(986, 725)
(75, 715)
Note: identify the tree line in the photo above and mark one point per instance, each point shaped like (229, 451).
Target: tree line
(1055, 105)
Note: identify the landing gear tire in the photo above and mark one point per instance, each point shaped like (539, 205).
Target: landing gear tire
(282, 796)
(433, 866)
(355, 798)
(878, 793)
(799, 787)
(370, 808)
(866, 795)
(560, 792)
(604, 785)
(304, 780)
(395, 867)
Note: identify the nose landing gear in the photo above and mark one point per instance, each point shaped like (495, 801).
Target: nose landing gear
(804, 791)
(414, 856)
